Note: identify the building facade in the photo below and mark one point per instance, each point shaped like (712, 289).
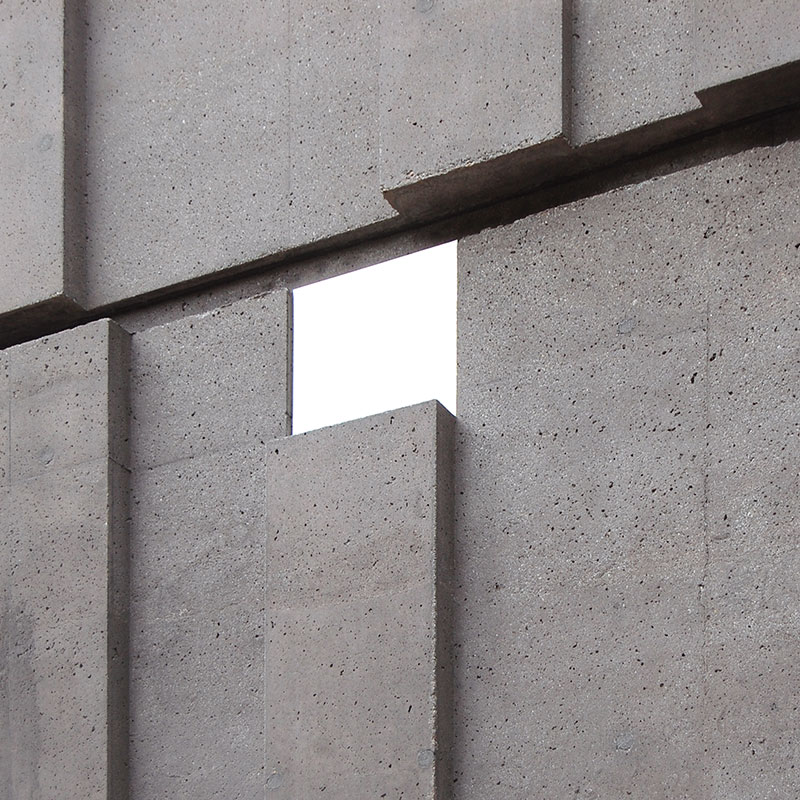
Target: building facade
(584, 585)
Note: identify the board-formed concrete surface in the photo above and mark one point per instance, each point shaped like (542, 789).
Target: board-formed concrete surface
(358, 585)
(63, 562)
(207, 393)
(629, 449)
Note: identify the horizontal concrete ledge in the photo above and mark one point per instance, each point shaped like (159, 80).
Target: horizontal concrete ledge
(481, 183)
(39, 319)
(771, 89)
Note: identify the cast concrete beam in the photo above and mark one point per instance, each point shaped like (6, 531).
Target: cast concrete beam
(358, 590)
(63, 613)
(41, 60)
(474, 97)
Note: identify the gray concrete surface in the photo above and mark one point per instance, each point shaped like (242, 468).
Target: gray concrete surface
(448, 101)
(633, 65)
(208, 393)
(187, 142)
(625, 365)
(335, 104)
(735, 39)
(63, 557)
(32, 180)
(358, 552)
(211, 382)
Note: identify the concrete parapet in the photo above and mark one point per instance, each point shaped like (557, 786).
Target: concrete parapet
(358, 598)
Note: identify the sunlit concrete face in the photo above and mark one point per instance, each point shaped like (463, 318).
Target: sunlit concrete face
(376, 339)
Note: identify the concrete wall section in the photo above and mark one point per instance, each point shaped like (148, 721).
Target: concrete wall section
(358, 567)
(63, 657)
(334, 65)
(463, 84)
(207, 393)
(628, 458)
(187, 141)
(747, 55)
(34, 268)
(633, 66)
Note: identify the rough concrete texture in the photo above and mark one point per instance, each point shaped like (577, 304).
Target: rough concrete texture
(32, 153)
(358, 569)
(334, 68)
(211, 382)
(735, 39)
(68, 401)
(627, 369)
(633, 65)
(63, 562)
(207, 393)
(197, 628)
(449, 100)
(218, 140)
(187, 141)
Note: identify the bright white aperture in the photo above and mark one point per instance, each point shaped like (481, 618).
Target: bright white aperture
(376, 339)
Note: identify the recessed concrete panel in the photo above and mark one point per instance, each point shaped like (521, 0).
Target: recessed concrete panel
(68, 399)
(211, 382)
(626, 365)
(747, 55)
(358, 581)
(464, 84)
(187, 142)
(197, 628)
(63, 564)
(334, 68)
(33, 264)
(633, 65)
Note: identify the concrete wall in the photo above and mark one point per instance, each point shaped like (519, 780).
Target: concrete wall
(584, 586)
(64, 556)
(629, 455)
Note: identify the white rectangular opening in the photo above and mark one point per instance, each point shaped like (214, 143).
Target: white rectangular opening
(375, 339)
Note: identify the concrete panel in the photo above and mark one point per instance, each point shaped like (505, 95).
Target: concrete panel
(626, 374)
(4, 405)
(358, 580)
(197, 628)
(211, 382)
(335, 186)
(187, 141)
(633, 65)
(464, 84)
(63, 565)
(33, 268)
(747, 55)
(68, 399)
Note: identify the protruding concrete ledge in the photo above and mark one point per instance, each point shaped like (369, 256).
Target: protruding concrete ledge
(470, 95)
(63, 564)
(358, 608)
